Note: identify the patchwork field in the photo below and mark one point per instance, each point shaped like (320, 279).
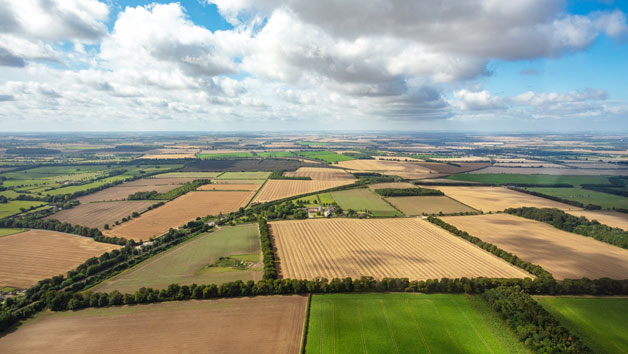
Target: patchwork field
(16, 206)
(610, 218)
(122, 192)
(243, 175)
(410, 170)
(498, 198)
(28, 257)
(564, 254)
(151, 182)
(406, 323)
(505, 178)
(196, 175)
(555, 171)
(362, 200)
(178, 212)
(321, 174)
(601, 323)
(265, 324)
(586, 196)
(98, 214)
(391, 185)
(413, 206)
(168, 156)
(277, 189)
(229, 187)
(459, 167)
(411, 248)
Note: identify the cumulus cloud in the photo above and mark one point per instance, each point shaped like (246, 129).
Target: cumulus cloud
(477, 100)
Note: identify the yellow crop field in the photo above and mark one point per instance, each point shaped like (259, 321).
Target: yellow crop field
(322, 174)
(277, 188)
(610, 218)
(403, 247)
(404, 169)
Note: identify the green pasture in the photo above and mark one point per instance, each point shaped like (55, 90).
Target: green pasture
(362, 200)
(7, 232)
(327, 156)
(267, 154)
(15, 207)
(505, 178)
(585, 196)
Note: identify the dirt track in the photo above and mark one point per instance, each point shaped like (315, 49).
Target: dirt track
(411, 248)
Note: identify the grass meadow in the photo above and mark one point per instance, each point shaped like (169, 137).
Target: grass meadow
(362, 200)
(504, 178)
(585, 196)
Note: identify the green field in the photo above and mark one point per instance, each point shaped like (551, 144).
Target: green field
(406, 323)
(327, 156)
(585, 196)
(14, 207)
(505, 178)
(601, 323)
(7, 232)
(244, 175)
(268, 154)
(362, 200)
(187, 263)
(315, 143)
(224, 155)
(326, 198)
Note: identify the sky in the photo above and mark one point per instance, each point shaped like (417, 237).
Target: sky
(514, 66)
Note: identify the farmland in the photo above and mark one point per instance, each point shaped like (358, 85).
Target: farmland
(391, 185)
(27, 257)
(243, 175)
(327, 156)
(225, 155)
(600, 322)
(610, 218)
(413, 206)
(269, 324)
(585, 196)
(278, 189)
(554, 171)
(16, 206)
(406, 323)
(178, 212)
(121, 192)
(364, 200)
(98, 214)
(188, 262)
(498, 198)
(196, 175)
(564, 254)
(412, 248)
(7, 232)
(322, 174)
(410, 170)
(229, 187)
(504, 178)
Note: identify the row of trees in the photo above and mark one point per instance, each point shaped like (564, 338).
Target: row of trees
(278, 174)
(579, 225)
(507, 256)
(534, 326)
(561, 200)
(179, 191)
(403, 192)
(270, 267)
(31, 222)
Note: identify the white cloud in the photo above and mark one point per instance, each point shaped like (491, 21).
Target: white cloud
(476, 100)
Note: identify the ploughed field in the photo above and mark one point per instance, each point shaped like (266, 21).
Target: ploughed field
(498, 198)
(28, 257)
(401, 247)
(188, 263)
(265, 324)
(277, 188)
(600, 322)
(566, 255)
(419, 205)
(180, 211)
(100, 213)
(406, 323)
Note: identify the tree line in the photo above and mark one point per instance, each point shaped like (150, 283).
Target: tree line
(579, 225)
(561, 200)
(278, 174)
(31, 222)
(403, 192)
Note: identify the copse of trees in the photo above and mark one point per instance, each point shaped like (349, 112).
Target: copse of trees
(579, 225)
(535, 269)
(270, 267)
(142, 195)
(179, 191)
(534, 326)
(403, 192)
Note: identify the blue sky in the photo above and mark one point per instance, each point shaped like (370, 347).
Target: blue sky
(520, 66)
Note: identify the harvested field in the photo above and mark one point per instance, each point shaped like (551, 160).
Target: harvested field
(149, 182)
(610, 218)
(564, 254)
(451, 169)
(239, 181)
(391, 185)
(277, 189)
(419, 205)
(410, 170)
(101, 213)
(168, 156)
(178, 212)
(122, 192)
(188, 263)
(555, 171)
(362, 199)
(197, 175)
(498, 198)
(243, 175)
(321, 174)
(236, 165)
(264, 324)
(229, 187)
(411, 248)
(28, 257)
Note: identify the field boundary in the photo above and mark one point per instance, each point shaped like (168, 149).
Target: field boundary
(306, 323)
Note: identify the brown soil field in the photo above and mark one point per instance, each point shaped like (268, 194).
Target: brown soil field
(564, 254)
(263, 324)
(413, 206)
(101, 213)
(122, 192)
(391, 185)
(610, 218)
(168, 156)
(277, 188)
(28, 257)
(498, 198)
(410, 170)
(451, 169)
(321, 174)
(401, 247)
(229, 187)
(178, 212)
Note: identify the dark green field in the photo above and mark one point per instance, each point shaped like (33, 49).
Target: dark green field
(504, 178)
(406, 323)
(602, 323)
(585, 196)
(327, 156)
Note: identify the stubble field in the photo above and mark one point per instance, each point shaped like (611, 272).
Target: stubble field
(179, 211)
(411, 248)
(28, 257)
(410, 170)
(610, 218)
(229, 187)
(413, 206)
(277, 189)
(321, 174)
(98, 214)
(266, 324)
(564, 254)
